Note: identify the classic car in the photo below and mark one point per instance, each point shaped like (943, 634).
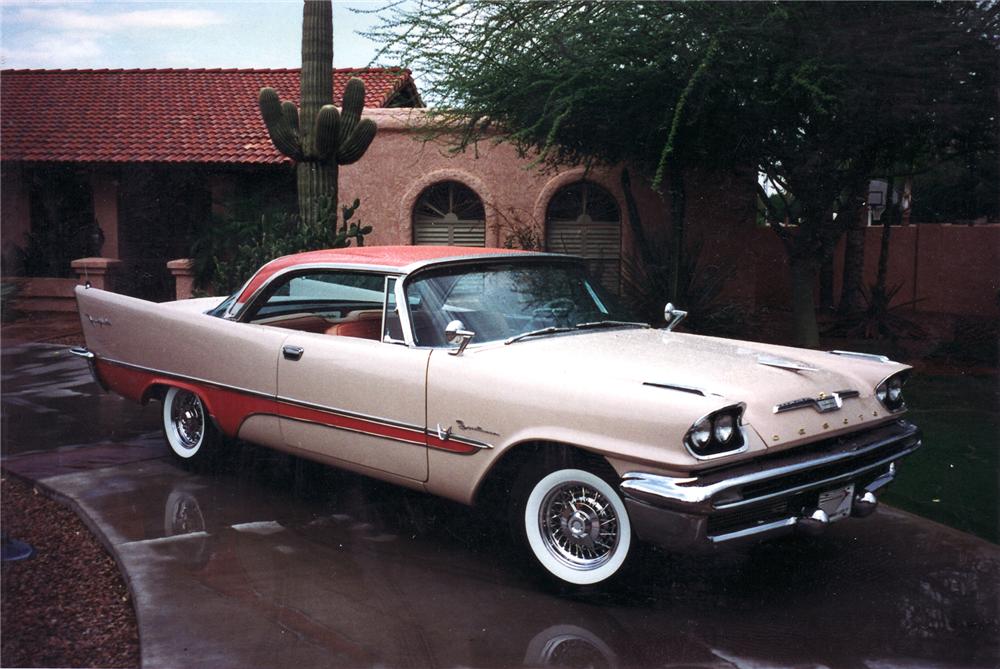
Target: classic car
(515, 381)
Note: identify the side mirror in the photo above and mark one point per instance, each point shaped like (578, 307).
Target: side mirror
(455, 333)
(673, 316)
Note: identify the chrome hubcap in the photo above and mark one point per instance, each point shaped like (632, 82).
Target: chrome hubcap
(579, 526)
(188, 419)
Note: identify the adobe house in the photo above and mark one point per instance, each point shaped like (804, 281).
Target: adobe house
(125, 165)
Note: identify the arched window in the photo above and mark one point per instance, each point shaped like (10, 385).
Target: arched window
(449, 214)
(583, 219)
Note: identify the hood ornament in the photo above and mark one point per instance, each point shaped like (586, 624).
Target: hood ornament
(823, 403)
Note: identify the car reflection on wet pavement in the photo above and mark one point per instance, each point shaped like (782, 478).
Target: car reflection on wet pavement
(274, 561)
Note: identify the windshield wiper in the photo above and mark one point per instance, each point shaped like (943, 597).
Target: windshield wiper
(609, 324)
(534, 333)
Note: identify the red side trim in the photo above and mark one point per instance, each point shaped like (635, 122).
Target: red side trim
(231, 407)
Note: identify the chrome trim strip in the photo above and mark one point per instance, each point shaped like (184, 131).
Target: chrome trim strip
(309, 405)
(783, 363)
(687, 494)
(349, 414)
(420, 442)
(751, 531)
(184, 377)
(682, 388)
(864, 356)
(461, 440)
(82, 352)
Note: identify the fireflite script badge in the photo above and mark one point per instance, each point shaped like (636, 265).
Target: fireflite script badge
(824, 403)
(98, 321)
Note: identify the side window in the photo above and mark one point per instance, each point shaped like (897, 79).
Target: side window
(327, 296)
(392, 326)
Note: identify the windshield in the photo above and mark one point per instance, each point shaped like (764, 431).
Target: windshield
(506, 299)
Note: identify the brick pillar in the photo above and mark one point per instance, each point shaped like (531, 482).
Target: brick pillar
(183, 272)
(100, 272)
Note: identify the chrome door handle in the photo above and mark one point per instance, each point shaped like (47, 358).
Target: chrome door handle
(292, 352)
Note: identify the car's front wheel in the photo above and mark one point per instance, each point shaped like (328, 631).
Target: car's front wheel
(574, 524)
(188, 430)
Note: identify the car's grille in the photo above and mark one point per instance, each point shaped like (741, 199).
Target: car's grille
(733, 521)
(824, 472)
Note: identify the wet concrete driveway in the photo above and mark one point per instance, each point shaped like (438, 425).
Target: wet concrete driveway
(277, 562)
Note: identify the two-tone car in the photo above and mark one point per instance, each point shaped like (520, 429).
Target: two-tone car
(514, 380)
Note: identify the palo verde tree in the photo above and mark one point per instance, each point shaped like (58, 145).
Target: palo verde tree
(807, 94)
(318, 137)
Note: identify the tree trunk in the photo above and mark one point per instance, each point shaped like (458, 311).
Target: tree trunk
(883, 252)
(826, 282)
(851, 295)
(678, 206)
(635, 222)
(803, 305)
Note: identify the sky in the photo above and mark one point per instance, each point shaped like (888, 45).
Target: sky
(223, 33)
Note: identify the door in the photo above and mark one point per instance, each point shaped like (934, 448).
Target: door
(356, 400)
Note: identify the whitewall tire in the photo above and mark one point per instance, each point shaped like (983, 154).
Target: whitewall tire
(186, 425)
(576, 527)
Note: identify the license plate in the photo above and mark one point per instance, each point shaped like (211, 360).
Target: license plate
(837, 502)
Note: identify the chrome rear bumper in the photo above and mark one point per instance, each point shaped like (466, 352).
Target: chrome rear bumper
(771, 495)
(82, 352)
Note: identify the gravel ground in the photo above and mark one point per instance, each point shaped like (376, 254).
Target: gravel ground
(67, 606)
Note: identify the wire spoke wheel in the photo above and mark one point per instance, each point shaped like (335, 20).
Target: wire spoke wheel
(575, 525)
(186, 425)
(579, 525)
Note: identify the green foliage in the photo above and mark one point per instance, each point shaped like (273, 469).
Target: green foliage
(648, 289)
(819, 97)
(233, 247)
(880, 318)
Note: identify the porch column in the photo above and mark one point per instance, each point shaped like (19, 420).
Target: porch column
(100, 272)
(183, 271)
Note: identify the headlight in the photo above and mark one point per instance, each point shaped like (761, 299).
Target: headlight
(890, 391)
(716, 434)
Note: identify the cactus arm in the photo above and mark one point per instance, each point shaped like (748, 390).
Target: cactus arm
(325, 133)
(357, 143)
(284, 136)
(291, 114)
(354, 103)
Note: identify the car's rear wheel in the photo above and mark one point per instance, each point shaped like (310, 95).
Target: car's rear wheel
(573, 523)
(187, 428)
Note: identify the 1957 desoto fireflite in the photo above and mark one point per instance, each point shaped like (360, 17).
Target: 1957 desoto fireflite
(512, 377)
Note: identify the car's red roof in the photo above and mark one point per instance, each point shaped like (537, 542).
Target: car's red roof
(160, 116)
(392, 257)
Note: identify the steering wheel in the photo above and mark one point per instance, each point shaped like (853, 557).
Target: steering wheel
(557, 308)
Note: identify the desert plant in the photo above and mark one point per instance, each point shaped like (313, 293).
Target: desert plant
(234, 246)
(318, 137)
(880, 318)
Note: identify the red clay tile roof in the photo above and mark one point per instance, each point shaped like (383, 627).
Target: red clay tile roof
(163, 116)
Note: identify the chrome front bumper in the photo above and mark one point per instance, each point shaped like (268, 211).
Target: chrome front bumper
(768, 496)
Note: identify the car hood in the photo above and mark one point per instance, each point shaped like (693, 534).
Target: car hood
(723, 371)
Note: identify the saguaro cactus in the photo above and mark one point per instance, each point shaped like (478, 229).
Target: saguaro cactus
(318, 137)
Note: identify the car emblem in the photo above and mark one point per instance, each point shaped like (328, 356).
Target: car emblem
(823, 403)
(98, 321)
